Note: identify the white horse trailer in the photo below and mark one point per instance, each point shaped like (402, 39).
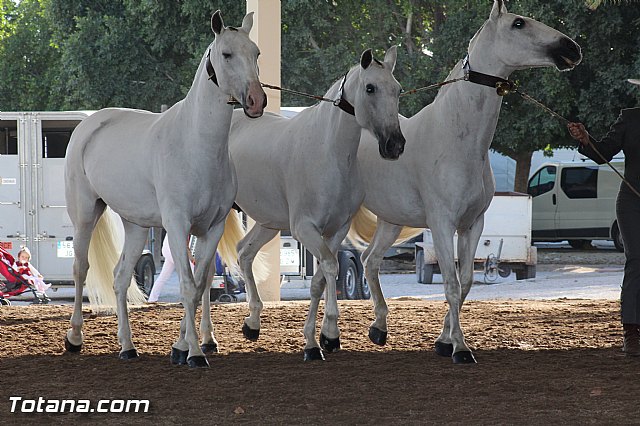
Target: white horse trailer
(32, 201)
(505, 243)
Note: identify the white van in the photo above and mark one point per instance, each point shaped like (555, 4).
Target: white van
(575, 202)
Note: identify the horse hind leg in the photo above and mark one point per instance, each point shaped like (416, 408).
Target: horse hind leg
(83, 224)
(135, 238)
(384, 237)
(248, 249)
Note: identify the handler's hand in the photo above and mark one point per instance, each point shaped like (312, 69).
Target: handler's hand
(578, 132)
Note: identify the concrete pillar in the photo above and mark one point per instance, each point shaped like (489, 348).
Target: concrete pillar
(266, 34)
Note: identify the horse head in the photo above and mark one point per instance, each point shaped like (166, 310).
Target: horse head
(519, 42)
(376, 102)
(234, 58)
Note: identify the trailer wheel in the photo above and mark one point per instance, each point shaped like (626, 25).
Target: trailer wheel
(145, 274)
(347, 283)
(365, 291)
(617, 237)
(527, 272)
(5, 302)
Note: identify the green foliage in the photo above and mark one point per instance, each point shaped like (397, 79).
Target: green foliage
(28, 60)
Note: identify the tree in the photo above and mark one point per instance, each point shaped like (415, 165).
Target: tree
(129, 53)
(321, 40)
(28, 59)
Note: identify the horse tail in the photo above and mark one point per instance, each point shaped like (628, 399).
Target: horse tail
(364, 225)
(228, 248)
(104, 254)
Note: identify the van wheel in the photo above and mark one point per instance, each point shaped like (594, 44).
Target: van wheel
(580, 244)
(617, 237)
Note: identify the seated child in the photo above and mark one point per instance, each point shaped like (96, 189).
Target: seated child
(23, 267)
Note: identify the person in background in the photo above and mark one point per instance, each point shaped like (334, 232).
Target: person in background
(167, 270)
(624, 136)
(24, 267)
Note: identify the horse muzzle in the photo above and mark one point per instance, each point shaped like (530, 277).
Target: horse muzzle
(255, 102)
(392, 147)
(566, 54)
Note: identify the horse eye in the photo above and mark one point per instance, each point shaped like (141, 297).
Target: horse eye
(371, 88)
(518, 23)
(226, 55)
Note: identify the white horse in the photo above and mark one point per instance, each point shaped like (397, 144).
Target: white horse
(444, 180)
(171, 170)
(303, 176)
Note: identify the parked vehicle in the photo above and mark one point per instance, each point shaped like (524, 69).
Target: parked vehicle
(298, 263)
(32, 201)
(575, 201)
(504, 246)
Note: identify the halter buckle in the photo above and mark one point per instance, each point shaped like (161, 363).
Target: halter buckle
(504, 88)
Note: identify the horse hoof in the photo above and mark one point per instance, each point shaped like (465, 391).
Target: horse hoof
(178, 357)
(329, 345)
(313, 354)
(463, 357)
(443, 349)
(130, 354)
(70, 347)
(198, 362)
(249, 333)
(377, 336)
(209, 348)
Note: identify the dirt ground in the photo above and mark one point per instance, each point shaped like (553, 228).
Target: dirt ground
(539, 362)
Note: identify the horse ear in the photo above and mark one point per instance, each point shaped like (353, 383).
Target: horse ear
(247, 22)
(498, 9)
(217, 26)
(366, 58)
(390, 57)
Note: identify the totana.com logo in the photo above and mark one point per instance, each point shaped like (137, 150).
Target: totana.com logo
(41, 405)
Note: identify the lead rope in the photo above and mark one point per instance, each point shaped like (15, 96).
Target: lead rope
(592, 140)
(339, 102)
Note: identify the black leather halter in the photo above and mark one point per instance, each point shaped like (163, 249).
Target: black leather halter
(503, 87)
(210, 70)
(341, 102)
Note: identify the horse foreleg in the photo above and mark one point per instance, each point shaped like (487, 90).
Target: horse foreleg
(187, 347)
(384, 237)
(310, 237)
(451, 342)
(205, 270)
(467, 245)
(248, 249)
(134, 240)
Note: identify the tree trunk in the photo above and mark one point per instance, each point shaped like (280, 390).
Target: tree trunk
(523, 165)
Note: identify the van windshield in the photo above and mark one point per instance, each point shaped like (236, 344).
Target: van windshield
(542, 182)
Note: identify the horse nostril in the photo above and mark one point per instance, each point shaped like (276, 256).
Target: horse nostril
(570, 45)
